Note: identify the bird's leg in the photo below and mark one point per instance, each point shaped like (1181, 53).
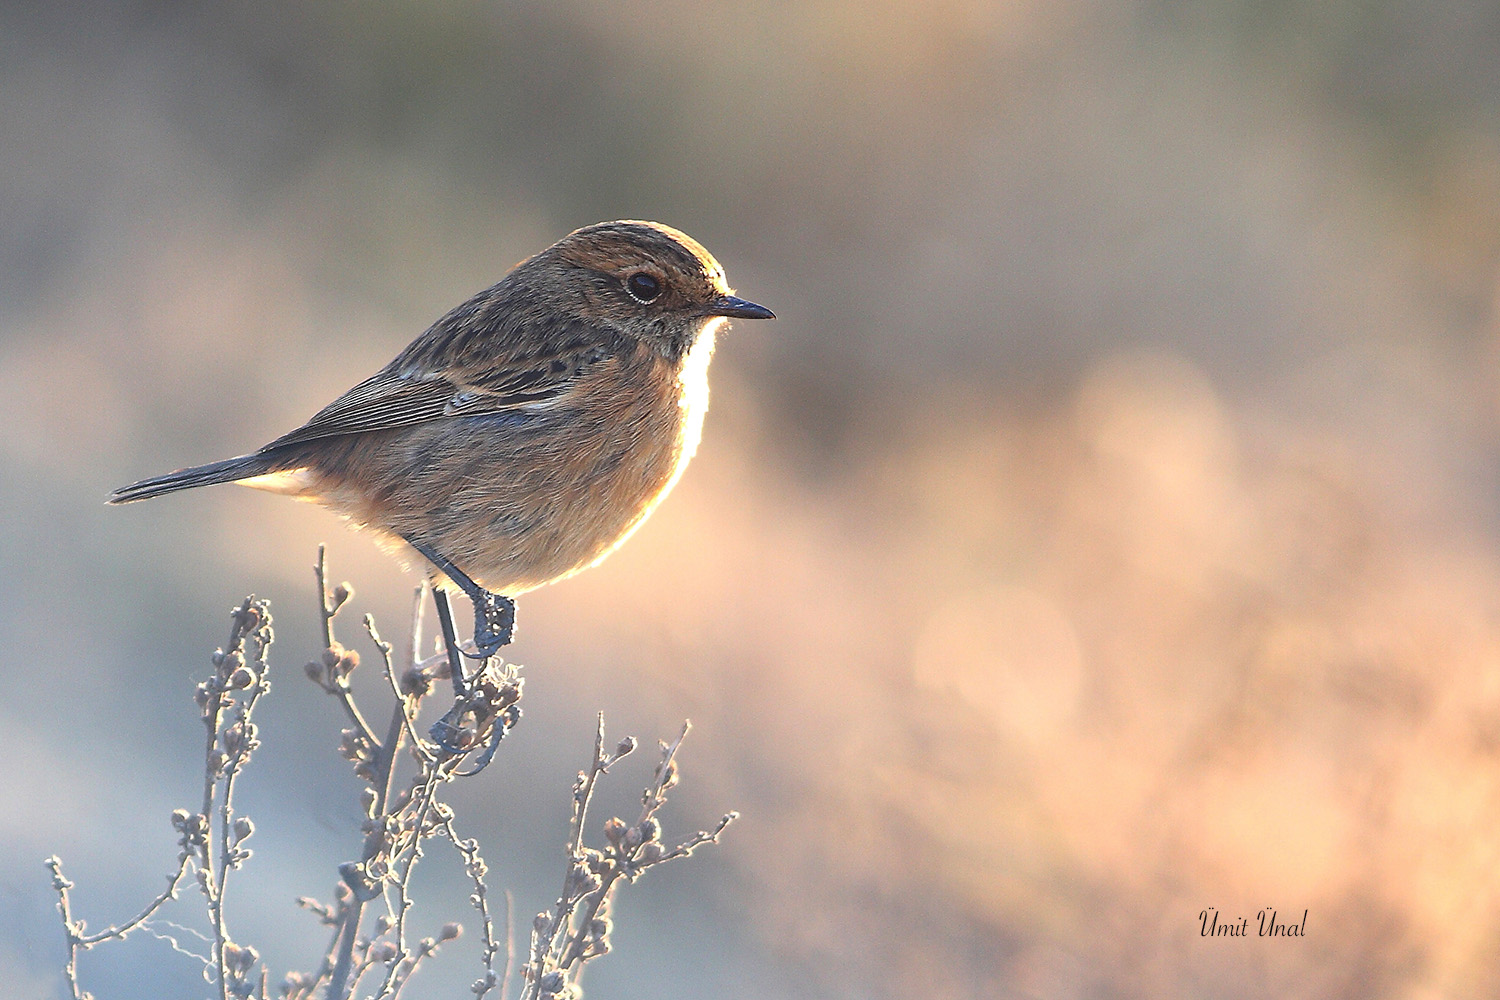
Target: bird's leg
(494, 614)
(450, 639)
(477, 700)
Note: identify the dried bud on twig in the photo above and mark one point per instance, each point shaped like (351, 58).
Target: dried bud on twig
(230, 662)
(614, 829)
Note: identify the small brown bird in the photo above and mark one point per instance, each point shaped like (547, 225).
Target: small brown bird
(525, 434)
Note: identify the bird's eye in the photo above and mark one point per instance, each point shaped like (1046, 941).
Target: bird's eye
(642, 286)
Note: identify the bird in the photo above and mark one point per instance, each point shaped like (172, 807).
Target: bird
(527, 433)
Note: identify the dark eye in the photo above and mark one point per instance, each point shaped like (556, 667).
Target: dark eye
(643, 287)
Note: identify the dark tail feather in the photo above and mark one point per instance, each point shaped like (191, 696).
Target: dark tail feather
(228, 471)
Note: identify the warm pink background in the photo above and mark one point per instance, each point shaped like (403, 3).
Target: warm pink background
(1108, 528)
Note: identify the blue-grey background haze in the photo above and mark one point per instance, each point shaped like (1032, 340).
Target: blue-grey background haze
(1106, 530)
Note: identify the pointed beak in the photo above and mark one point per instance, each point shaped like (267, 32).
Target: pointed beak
(730, 305)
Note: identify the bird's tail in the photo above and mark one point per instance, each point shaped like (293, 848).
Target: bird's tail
(228, 471)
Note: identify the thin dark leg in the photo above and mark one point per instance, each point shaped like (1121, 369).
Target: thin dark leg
(494, 614)
(494, 623)
(450, 639)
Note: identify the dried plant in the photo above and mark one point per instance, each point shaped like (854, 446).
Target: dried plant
(377, 954)
(577, 928)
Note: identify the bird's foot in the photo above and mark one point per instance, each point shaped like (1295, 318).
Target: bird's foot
(494, 622)
(480, 721)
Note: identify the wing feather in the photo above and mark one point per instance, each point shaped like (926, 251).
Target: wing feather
(393, 398)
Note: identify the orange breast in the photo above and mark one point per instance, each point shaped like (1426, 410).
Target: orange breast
(522, 498)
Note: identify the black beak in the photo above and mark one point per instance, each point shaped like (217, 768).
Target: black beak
(730, 305)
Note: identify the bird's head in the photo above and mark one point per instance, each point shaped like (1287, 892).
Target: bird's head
(646, 280)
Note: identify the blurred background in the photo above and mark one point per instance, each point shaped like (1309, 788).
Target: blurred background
(1107, 530)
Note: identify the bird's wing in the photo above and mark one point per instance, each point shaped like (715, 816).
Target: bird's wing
(396, 398)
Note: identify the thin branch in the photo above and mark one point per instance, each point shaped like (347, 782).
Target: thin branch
(397, 825)
(216, 695)
(510, 944)
(61, 885)
(327, 607)
(475, 866)
(120, 931)
(584, 795)
(337, 681)
(405, 700)
(411, 853)
(380, 781)
(666, 775)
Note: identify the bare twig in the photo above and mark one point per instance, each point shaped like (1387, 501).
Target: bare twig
(338, 662)
(72, 930)
(510, 943)
(227, 702)
(379, 770)
(398, 820)
(577, 930)
(395, 830)
(476, 868)
(405, 857)
(78, 939)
